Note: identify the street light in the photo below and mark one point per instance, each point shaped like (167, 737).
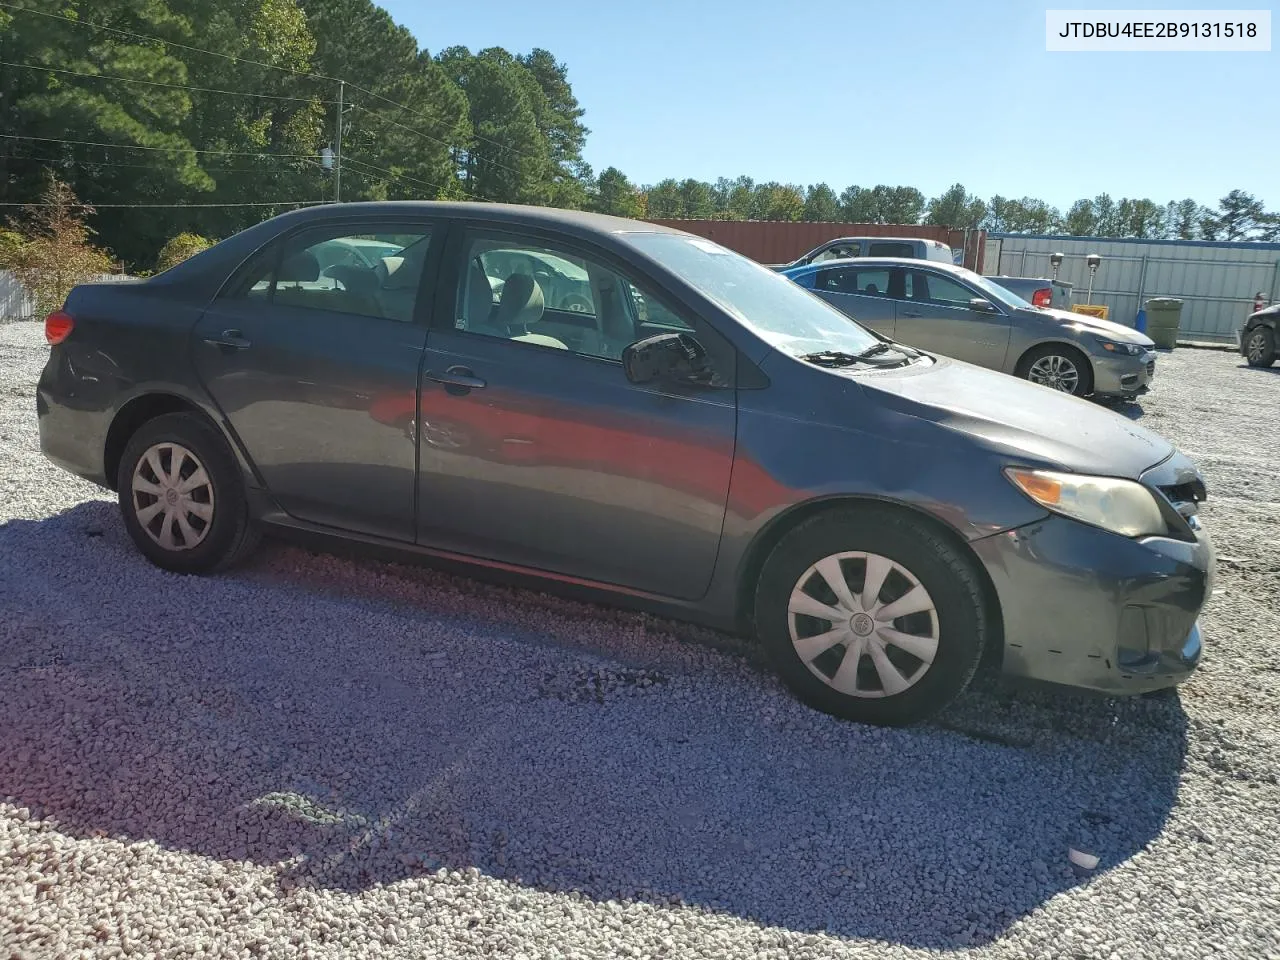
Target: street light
(1092, 260)
(1056, 260)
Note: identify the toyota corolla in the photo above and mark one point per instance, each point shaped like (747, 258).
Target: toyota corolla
(699, 436)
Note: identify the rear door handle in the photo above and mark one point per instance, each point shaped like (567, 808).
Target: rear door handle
(230, 339)
(459, 377)
(916, 315)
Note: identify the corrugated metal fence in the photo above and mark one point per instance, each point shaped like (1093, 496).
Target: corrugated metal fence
(1216, 281)
(16, 303)
(781, 241)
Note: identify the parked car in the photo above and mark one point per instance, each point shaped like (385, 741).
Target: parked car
(741, 454)
(1258, 336)
(953, 311)
(1038, 291)
(842, 248)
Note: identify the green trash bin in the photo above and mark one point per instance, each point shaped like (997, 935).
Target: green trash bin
(1163, 317)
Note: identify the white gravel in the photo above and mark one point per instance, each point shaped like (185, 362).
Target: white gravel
(331, 758)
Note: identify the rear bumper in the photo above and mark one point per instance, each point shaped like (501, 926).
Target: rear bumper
(1087, 608)
(1123, 376)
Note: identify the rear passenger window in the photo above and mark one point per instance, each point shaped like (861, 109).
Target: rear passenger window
(868, 281)
(886, 249)
(370, 273)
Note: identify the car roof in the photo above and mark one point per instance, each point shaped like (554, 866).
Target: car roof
(514, 213)
(917, 262)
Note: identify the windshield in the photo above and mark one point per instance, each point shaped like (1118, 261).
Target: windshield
(773, 307)
(996, 292)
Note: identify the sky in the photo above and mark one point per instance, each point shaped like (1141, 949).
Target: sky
(925, 93)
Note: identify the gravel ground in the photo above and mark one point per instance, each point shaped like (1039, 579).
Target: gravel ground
(321, 757)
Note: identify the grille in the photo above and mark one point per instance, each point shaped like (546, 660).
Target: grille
(1151, 368)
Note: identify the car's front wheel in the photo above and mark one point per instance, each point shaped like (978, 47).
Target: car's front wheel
(1260, 347)
(181, 496)
(1058, 367)
(872, 616)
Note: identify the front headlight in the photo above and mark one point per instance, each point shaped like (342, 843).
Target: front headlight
(1121, 506)
(1124, 349)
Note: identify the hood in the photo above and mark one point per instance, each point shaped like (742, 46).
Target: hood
(1021, 418)
(1271, 311)
(1106, 328)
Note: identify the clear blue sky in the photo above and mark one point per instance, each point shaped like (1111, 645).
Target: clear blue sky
(923, 93)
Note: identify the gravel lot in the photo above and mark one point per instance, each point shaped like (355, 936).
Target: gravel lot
(322, 757)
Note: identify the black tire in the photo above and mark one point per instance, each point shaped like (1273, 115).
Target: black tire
(949, 577)
(1084, 382)
(230, 535)
(1260, 354)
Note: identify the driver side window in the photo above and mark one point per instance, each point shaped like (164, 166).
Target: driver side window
(543, 295)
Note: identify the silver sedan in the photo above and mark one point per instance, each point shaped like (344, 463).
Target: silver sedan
(961, 314)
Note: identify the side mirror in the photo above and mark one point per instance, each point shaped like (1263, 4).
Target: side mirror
(982, 305)
(672, 357)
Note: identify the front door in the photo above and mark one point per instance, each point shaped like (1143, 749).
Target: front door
(537, 451)
(303, 354)
(859, 292)
(934, 314)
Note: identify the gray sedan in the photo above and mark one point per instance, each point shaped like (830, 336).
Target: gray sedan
(705, 440)
(959, 313)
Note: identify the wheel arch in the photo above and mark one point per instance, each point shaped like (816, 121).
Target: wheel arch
(142, 409)
(1021, 365)
(766, 539)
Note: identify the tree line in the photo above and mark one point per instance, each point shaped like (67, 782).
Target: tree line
(227, 106)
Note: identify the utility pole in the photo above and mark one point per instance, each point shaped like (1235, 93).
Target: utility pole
(337, 148)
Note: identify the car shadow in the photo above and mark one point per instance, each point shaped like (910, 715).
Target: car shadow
(349, 724)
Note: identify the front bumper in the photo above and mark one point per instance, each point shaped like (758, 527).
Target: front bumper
(1123, 375)
(1088, 608)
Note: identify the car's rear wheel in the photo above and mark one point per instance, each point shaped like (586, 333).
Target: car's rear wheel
(871, 616)
(1058, 367)
(181, 496)
(1260, 347)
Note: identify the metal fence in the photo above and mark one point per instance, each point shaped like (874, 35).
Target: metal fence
(1216, 281)
(16, 303)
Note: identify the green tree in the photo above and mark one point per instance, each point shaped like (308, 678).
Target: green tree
(696, 200)
(956, 208)
(616, 195)
(857, 205)
(820, 204)
(665, 201)
(1239, 215)
(179, 248)
(1081, 219)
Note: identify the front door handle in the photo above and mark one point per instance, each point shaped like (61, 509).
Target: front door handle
(231, 339)
(915, 315)
(457, 377)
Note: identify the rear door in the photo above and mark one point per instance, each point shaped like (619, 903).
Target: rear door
(933, 313)
(316, 370)
(859, 292)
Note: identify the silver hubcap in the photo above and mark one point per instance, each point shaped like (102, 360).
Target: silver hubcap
(1057, 372)
(172, 496)
(1257, 343)
(863, 624)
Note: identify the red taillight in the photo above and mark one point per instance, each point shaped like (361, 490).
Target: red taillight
(58, 326)
(1042, 297)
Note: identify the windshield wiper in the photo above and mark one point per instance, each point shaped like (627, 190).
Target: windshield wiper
(838, 358)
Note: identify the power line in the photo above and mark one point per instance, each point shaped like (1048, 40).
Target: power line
(160, 83)
(132, 146)
(393, 175)
(425, 136)
(174, 206)
(269, 66)
(170, 43)
(77, 162)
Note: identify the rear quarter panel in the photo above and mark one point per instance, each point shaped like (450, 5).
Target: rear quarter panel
(128, 341)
